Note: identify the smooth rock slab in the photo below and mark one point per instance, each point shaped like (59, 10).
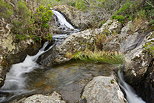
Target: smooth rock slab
(103, 90)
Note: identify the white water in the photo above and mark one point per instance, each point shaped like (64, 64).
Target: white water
(15, 79)
(130, 94)
(61, 19)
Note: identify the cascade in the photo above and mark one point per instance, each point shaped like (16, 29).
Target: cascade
(15, 78)
(131, 96)
(63, 23)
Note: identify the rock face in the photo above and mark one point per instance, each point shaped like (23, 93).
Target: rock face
(39, 98)
(103, 90)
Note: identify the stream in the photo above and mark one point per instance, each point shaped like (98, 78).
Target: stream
(69, 80)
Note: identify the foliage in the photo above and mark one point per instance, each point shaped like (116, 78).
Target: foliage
(21, 37)
(23, 21)
(124, 8)
(120, 18)
(28, 24)
(151, 22)
(80, 4)
(48, 36)
(100, 56)
(150, 47)
(43, 15)
(135, 9)
(5, 10)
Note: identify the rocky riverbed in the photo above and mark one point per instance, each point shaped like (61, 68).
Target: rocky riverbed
(60, 81)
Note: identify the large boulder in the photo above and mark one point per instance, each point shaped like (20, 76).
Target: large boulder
(103, 90)
(39, 98)
(137, 56)
(74, 43)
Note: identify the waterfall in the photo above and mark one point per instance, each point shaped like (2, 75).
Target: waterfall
(63, 23)
(130, 94)
(15, 78)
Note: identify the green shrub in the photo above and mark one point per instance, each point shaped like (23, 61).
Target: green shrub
(6, 10)
(150, 47)
(21, 37)
(141, 14)
(43, 16)
(120, 18)
(151, 22)
(32, 25)
(80, 4)
(23, 22)
(35, 38)
(48, 36)
(124, 8)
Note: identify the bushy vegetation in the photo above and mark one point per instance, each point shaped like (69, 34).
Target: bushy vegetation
(27, 23)
(135, 9)
(6, 10)
(150, 47)
(99, 56)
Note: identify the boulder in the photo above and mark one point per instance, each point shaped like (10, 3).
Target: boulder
(74, 43)
(103, 90)
(137, 56)
(39, 98)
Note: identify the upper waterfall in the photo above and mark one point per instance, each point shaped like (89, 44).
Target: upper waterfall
(62, 22)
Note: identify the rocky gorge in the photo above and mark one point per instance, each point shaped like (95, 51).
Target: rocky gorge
(61, 79)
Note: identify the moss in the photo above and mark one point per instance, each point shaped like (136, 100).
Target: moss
(112, 81)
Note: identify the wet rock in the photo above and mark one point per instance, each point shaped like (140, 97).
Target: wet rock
(103, 90)
(39, 98)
